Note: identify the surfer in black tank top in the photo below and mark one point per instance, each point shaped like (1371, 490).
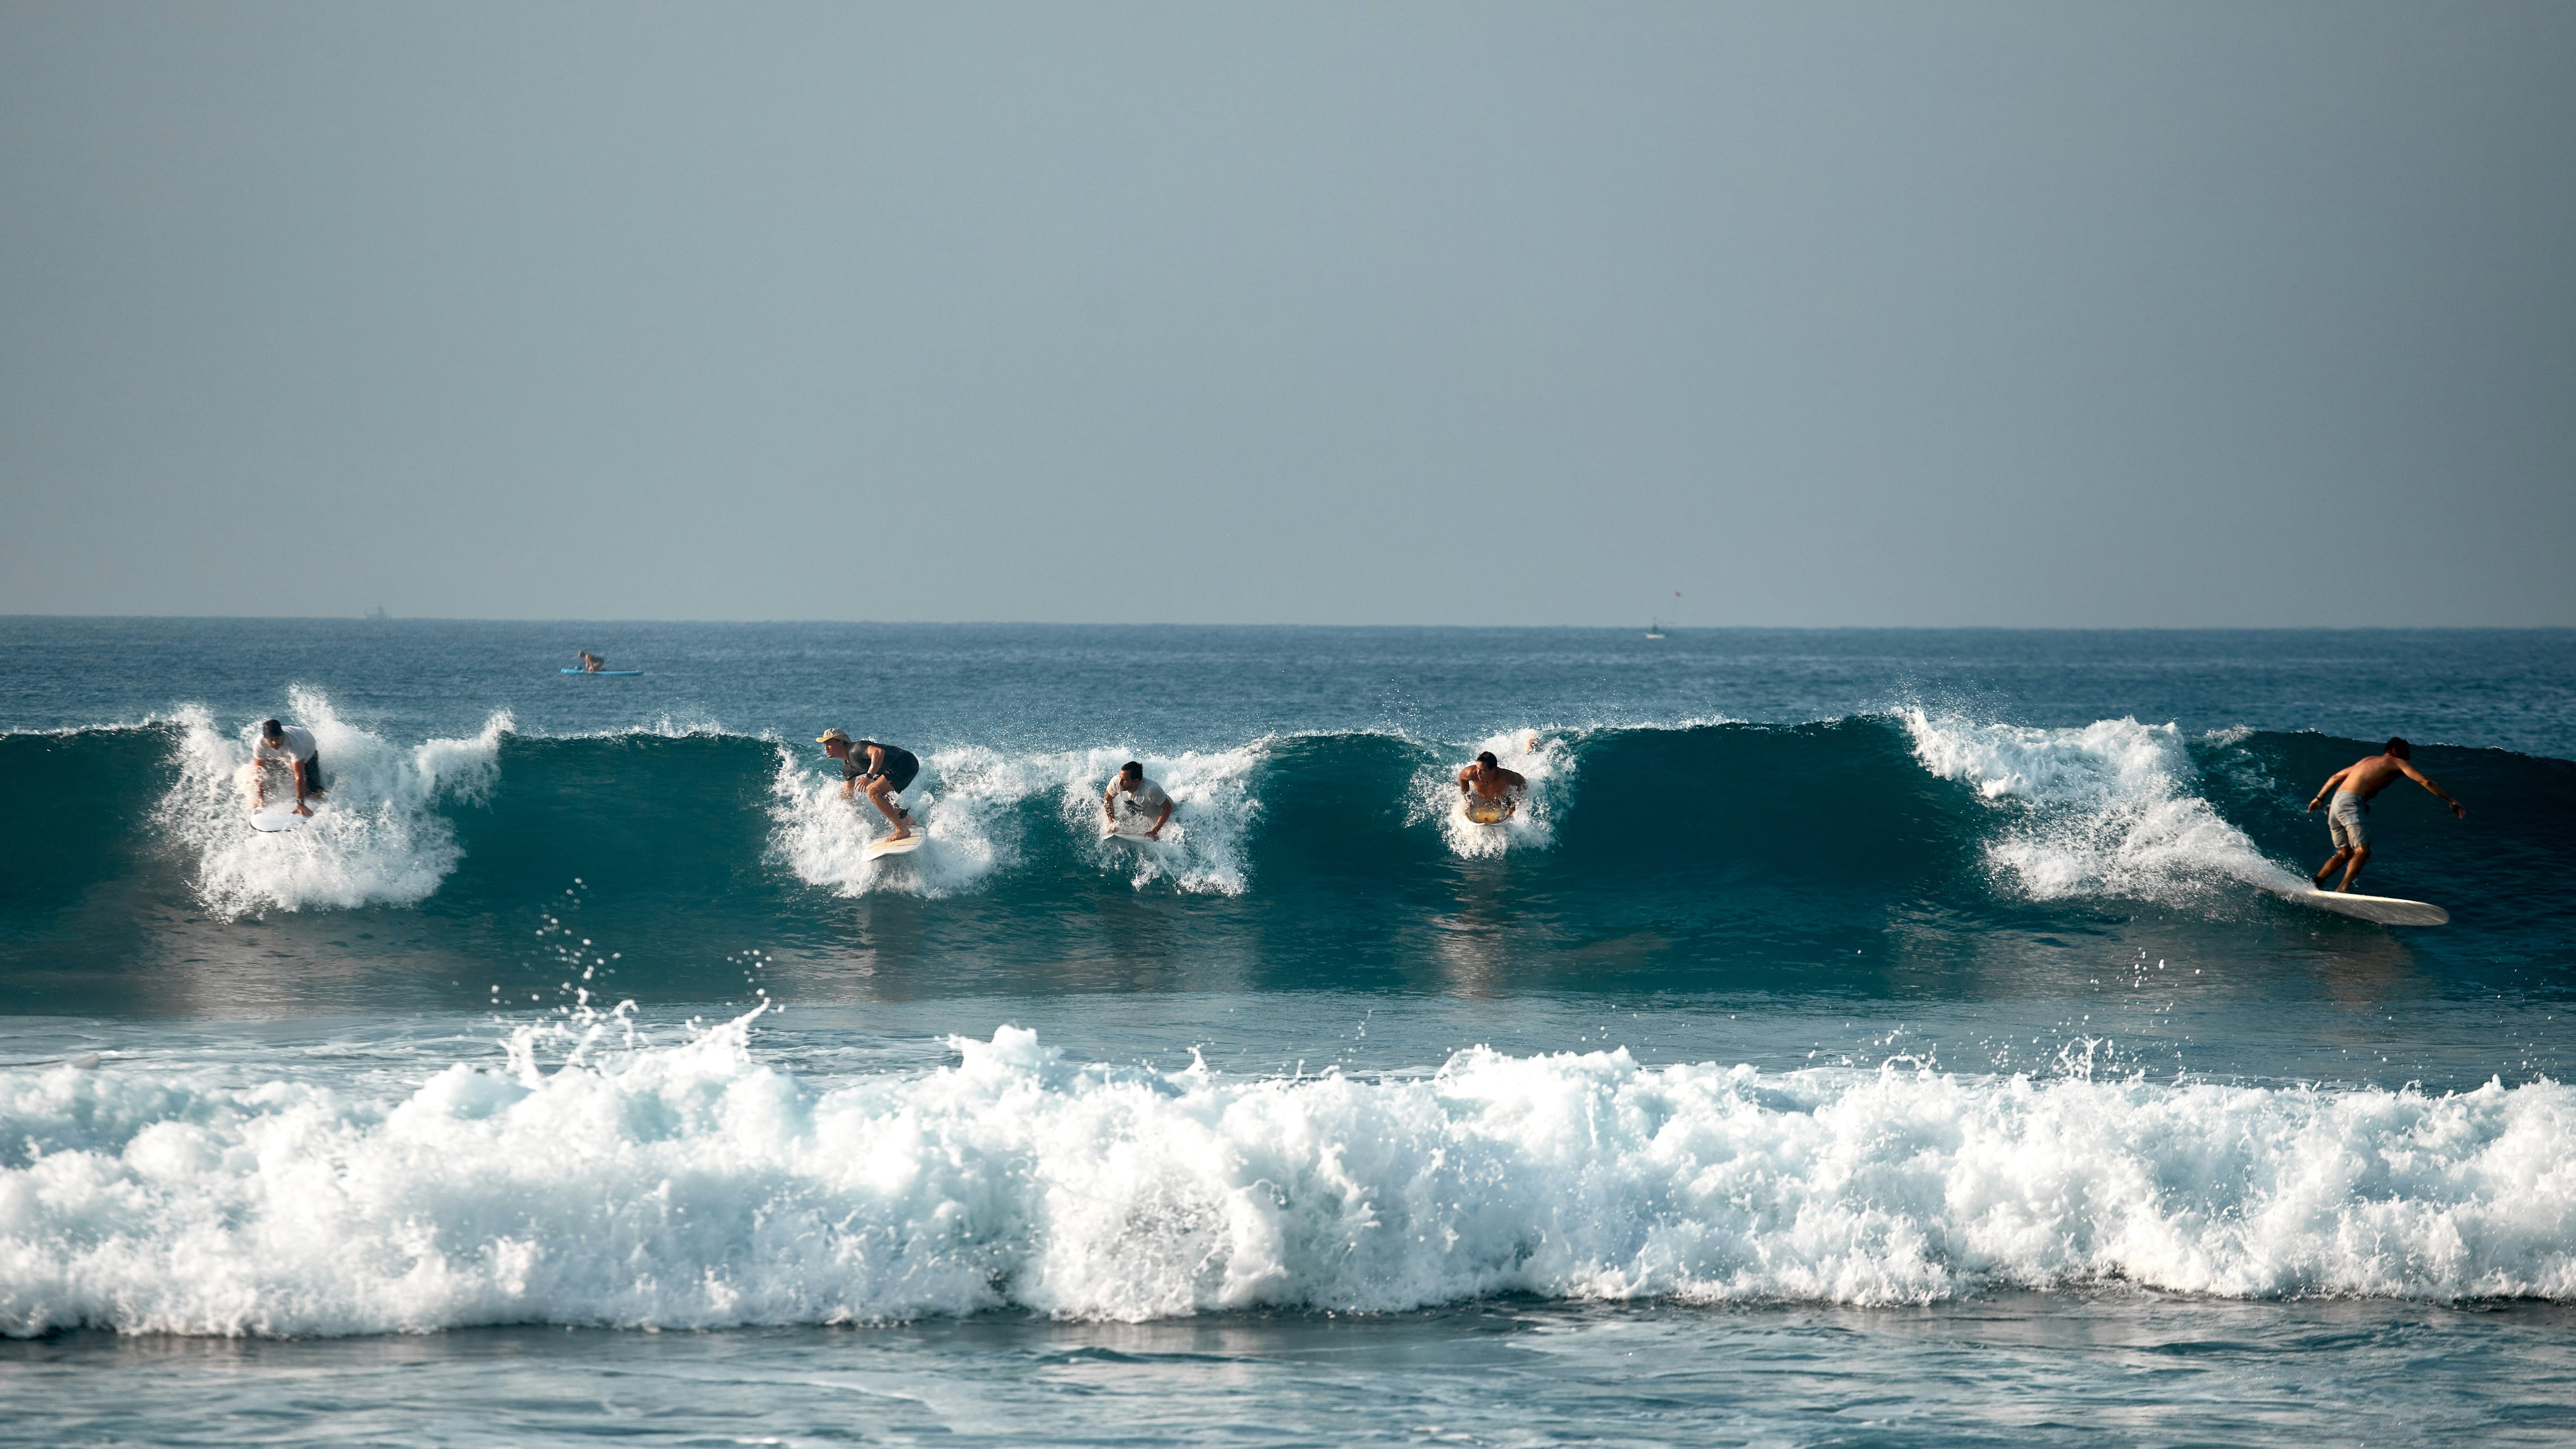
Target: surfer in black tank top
(878, 768)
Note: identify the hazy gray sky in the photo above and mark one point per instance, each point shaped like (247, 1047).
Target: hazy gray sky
(2084, 314)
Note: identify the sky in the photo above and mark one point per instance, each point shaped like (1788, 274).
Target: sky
(2043, 314)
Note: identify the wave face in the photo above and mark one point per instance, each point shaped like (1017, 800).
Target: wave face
(1645, 857)
(697, 1186)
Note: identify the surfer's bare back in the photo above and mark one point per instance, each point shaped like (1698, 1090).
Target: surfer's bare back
(2352, 787)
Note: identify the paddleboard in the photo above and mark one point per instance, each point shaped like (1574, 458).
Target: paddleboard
(883, 845)
(2386, 910)
(603, 671)
(275, 816)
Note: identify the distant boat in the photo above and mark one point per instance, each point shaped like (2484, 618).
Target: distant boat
(1655, 628)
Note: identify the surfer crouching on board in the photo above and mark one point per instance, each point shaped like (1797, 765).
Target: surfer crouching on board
(882, 770)
(1142, 797)
(1492, 791)
(592, 663)
(291, 746)
(2352, 787)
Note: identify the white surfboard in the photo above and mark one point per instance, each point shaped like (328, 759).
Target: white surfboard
(883, 845)
(1136, 835)
(276, 816)
(2386, 910)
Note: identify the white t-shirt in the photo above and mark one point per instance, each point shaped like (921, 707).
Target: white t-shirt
(1141, 807)
(298, 745)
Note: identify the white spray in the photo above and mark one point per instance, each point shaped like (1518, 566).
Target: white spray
(376, 840)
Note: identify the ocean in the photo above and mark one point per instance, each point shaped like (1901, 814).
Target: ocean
(1860, 1037)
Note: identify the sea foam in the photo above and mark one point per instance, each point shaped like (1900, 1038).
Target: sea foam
(2108, 809)
(376, 840)
(695, 1185)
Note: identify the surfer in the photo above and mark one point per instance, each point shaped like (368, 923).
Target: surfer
(293, 747)
(1488, 782)
(1142, 797)
(882, 770)
(592, 663)
(2353, 786)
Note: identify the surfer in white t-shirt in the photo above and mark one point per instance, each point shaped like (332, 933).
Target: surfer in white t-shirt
(1131, 797)
(293, 747)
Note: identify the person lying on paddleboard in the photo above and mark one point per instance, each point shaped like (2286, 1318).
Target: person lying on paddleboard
(2353, 786)
(1488, 782)
(592, 663)
(1140, 796)
(291, 746)
(882, 770)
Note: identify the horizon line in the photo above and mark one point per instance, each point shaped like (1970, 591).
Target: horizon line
(1169, 624)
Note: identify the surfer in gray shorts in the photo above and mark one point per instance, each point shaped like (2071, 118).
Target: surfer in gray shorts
(2352, 788)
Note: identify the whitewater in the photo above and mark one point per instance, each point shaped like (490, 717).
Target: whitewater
(695, 1186)
(1879, 1024)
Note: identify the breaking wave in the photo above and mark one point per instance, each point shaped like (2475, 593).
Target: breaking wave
(695, 1185)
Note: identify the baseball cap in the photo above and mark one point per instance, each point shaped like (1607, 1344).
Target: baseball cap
(827, 736)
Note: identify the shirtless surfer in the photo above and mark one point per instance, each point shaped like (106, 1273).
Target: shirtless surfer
(881, 769)
(1488, 784)
(592, 663)
(2352, 787)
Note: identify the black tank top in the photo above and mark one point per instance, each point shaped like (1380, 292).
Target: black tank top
(898, 761)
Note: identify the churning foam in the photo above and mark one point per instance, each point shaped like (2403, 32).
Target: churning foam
(1545, 762)
(378, 839)
(697, 1186)
(823, 838)
(2103, 810)
(1213, 810)
(971, 800)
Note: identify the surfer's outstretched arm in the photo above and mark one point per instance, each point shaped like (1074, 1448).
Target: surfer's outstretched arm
(2419, 778)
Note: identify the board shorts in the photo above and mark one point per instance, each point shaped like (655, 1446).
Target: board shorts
(899, 776)
(2343, 821)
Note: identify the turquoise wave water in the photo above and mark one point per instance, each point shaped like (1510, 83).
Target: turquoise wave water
(1646, 858)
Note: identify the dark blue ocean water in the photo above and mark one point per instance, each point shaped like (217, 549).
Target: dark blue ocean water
(1861, 1036)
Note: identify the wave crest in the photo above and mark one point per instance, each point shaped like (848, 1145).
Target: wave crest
(2108, 809)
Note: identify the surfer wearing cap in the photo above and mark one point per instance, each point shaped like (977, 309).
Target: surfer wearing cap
(293, 747)
(1488, 783)
(1141, 796)
(881, 770)
(2352, 788)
